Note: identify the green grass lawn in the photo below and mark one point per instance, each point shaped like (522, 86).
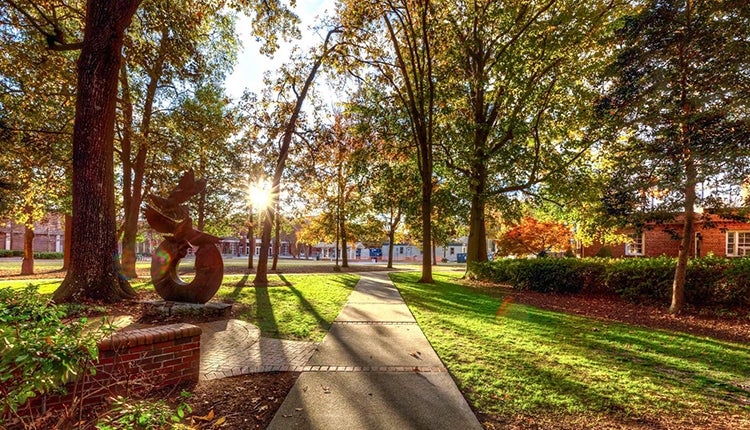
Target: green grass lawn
(301, 307)
(298, 307)
(513, 360)
(14, 264)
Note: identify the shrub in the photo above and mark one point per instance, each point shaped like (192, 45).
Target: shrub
(48, 255)
(39, 255)
(642, 279)
(39, 350)
(560, 275)
(711, 281)
(143, 414)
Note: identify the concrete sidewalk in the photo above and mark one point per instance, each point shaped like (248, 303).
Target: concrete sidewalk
(375, 369)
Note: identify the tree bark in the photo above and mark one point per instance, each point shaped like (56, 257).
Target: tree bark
(277, 245)
(250, 241)
(434, 257)
(476, 250)
(391, 238)
(27, 265)
(680, 274)
(93, 272)
(344, 242)
(426, 229)
(261, 272)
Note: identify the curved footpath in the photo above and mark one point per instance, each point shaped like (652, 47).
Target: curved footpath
(375, 369)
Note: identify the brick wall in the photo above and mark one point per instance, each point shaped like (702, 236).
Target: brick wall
(659, 241)
(134, 361)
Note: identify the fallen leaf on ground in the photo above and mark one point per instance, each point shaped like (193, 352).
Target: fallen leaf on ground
(208, 417)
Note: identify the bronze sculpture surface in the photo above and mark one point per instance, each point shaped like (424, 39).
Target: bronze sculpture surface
(171, 217)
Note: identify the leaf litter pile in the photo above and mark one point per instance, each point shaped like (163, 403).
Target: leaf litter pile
(241, 402)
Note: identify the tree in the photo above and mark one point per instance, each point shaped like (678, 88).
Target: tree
(261, 274)
(186, 43)
(337, 177)
(37, 99)
(531, 236)
(679, 99)
(408, 29)
(518, 78)
(201, 131)
(93, 269)
(394, 187)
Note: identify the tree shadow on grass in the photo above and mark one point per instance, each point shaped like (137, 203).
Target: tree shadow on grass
(322, 323)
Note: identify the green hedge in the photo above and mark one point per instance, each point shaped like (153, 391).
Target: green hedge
(711, 281)
(39, 255)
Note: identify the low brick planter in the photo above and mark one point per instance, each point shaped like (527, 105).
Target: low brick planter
(134, 361)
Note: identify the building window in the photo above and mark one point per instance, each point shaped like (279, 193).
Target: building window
(400, 249)
(738, 243)
(453, 250)
(635, 246)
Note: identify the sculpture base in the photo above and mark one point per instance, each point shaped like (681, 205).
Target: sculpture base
(167, 308)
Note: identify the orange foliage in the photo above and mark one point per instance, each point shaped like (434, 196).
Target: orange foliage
(532, 236)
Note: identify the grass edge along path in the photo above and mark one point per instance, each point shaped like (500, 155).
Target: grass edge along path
(295, 307)
(519, 365)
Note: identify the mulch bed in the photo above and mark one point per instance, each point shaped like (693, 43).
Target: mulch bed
(704, 322)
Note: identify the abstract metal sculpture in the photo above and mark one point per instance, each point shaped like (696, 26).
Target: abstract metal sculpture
(170, 216)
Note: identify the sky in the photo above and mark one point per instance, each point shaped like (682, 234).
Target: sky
(251, 64)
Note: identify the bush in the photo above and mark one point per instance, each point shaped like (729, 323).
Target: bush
(559, 275)
(39, 350)
(642, 279)
(711, 281)
(144, 414)
(48, 255)
(39, 255)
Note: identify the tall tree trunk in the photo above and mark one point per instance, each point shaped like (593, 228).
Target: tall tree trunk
(344, 243)
(261, 274)
(265, 241)
(129, 237)
(392, 226)
(66, 241)
(476, 250)
(426, 230)
(434, 257)
(338, 236)
(678, 285)
(134, 172)
(93, 269)
(691, 174)
(391, 238)
(27, 265)
(277, 234)
(250, 241)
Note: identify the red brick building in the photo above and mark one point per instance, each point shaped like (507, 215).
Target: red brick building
(49, 235)
(721, 237)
